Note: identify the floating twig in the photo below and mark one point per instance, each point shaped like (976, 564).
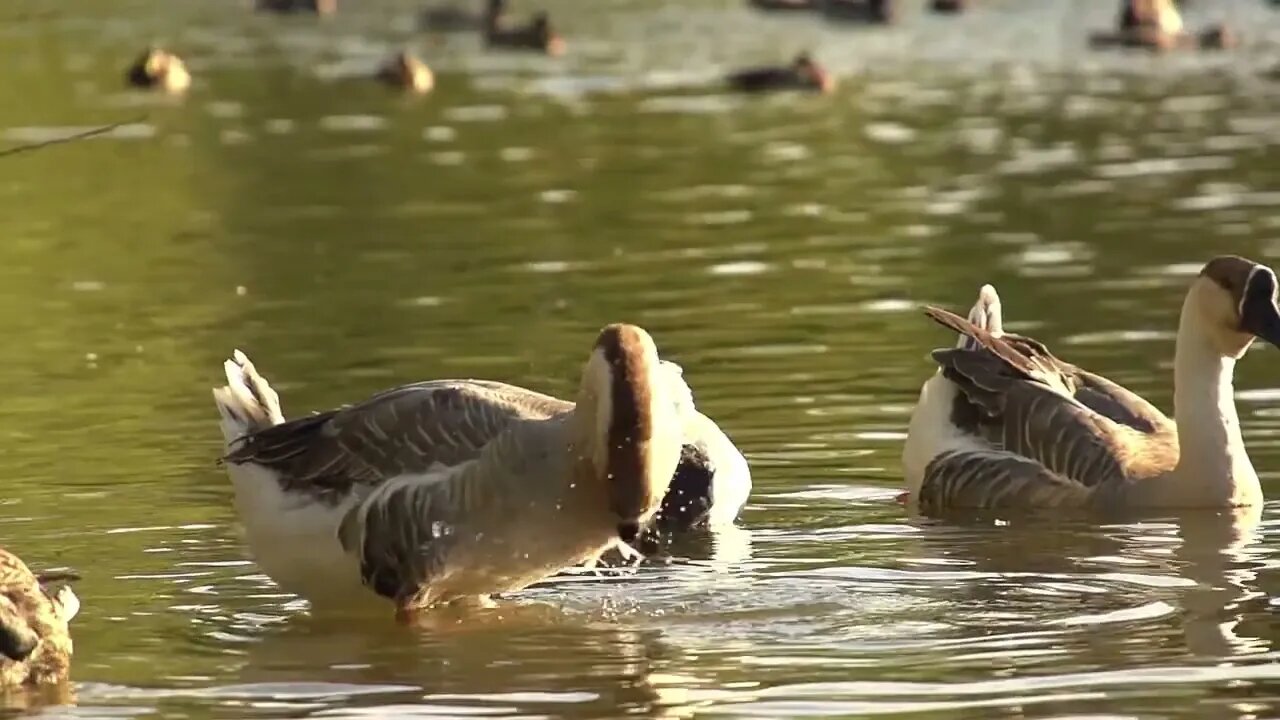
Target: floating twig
(92, 132)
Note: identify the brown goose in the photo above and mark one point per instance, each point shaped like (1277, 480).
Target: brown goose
(1005, 424)
(538, 35)
(35, 642)
(784, 5)
(455, 489)
(318, 7)
(804, 73)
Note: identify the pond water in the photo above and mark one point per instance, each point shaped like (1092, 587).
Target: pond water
(778, 248)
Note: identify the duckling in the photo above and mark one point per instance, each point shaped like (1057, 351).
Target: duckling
(802, 74)
(407, 72)
(35, 642)
(862, 11)
(537, 35)
(451, 18)
(157, 68)
(319, 7)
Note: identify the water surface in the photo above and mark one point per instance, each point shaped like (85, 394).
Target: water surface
(350, 239)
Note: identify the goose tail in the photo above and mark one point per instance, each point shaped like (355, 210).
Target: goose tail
(246, 403)
(985, 314)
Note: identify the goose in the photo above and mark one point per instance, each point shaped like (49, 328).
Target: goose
(802, 74)
(860, 11)
(407, 72)
(451, 18)
(452, 490)
(319, 7)
(784, 5)
(949, 6)
(537, 35)
(157, 68)
(1005, 424)
(35, 641)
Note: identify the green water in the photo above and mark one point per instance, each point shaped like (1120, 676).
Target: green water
(350, 239)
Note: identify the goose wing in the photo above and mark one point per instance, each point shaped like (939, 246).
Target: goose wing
(1095, 392)
(409, 430)
(1048, 447)
(406, 532)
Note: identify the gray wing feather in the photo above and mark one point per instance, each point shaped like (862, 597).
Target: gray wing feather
(1022, 403)
(409, 430)
(404, 531)
(1099, 394)
(996, 480)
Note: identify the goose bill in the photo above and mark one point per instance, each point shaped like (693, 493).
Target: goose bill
(1259, 314)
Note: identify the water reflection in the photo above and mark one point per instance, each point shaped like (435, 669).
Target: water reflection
(1195, 572)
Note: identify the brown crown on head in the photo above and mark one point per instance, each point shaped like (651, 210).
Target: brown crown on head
(631, 422)
(1231, 273)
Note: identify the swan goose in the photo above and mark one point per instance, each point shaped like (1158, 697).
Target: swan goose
(1005, 424)
(35, 641)
(455, 489)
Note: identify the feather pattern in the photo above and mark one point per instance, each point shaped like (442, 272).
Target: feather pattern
(1004, 423)
(1043, 432)
(35, 640)
(453, 488)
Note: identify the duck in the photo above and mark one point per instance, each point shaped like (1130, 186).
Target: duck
(784, 5)
(318, 7)
(404, 70)
(861, 11)
(1004, 424)
(538, 35)
(949, 6)
(160, 69)
(1157, 25)
(802, 74)
(35, 613)
(450, 491)
(452, 18)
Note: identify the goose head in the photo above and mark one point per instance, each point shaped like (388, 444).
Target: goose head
(159, 68)
(631, 424)
(1234, 300)
(812, 75)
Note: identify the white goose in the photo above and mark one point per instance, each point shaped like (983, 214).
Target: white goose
(1005, 424)
(456, 489)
